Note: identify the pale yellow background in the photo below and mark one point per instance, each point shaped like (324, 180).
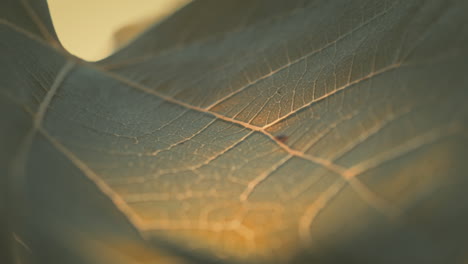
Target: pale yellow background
(86, 27)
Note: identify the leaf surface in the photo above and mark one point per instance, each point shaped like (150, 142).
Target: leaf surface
(244, 131)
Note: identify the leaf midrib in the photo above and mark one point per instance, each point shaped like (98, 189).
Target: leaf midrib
(329, 165)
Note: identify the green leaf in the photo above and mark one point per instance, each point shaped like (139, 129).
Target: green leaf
(240, 131)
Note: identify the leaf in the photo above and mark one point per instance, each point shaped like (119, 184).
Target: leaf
(250, 131)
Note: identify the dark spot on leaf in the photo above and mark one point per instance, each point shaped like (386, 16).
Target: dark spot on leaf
(282, 138)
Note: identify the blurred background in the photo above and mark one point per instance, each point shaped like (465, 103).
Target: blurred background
(92, 29)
